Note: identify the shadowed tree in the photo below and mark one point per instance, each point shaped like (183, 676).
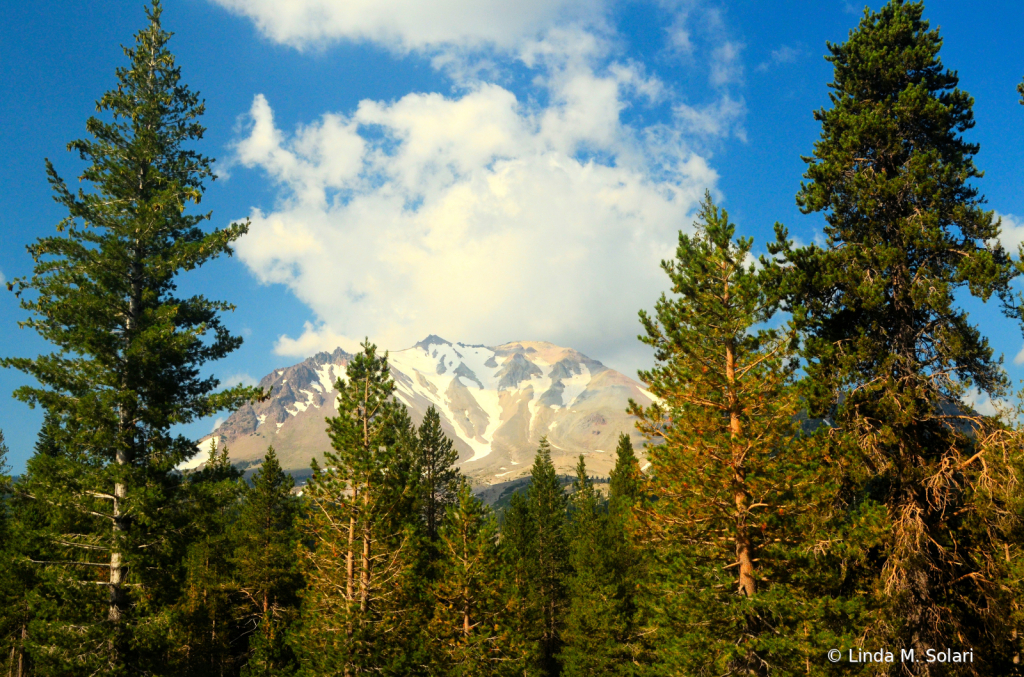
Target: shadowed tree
(265, 539)
(890, 354)
(439, 478)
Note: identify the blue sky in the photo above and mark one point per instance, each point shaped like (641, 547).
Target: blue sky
(483, 170)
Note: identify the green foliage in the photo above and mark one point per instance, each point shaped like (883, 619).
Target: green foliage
(205, 628)
(889, 352)
(549, 557)
(729, 479)
(470, 632)
(439, 478)
(265, 538)
(360, 535)
(591, 636)
(125, 370)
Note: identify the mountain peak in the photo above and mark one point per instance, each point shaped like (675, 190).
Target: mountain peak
(495, 403)
(432, 340)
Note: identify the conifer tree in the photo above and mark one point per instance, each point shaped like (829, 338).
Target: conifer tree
(546, 505)
(628, 559)
(469, 631)
(517, 547)
(12, 595)
(727, 476)
(266, 569)
(205, 628)
(359, 553)
(591, 634)
(439, 478)
(126, 366)
(624, 487)
(890, 353)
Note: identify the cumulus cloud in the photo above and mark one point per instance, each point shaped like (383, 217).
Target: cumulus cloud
(3, 280)
(1012, 233)
(481, 217)
(487, 215)
(411, 24)
(314, 339)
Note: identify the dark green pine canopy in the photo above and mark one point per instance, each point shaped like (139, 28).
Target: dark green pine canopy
(890, 353)
(127, 362)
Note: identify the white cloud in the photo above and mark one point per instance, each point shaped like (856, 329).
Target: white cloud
(783, 55)
(240, 378)
(218, 423)
(982, 403)
(482, 218)
(314, 340)
(485, 216)
(1012, 232)
(3, 280)
(714, 120)
(726, 67)
(1019, 359)
(411, 24)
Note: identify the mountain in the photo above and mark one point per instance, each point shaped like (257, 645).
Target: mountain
(495, 403)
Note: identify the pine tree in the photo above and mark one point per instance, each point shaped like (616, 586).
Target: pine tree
(470, 632)
(727, 476)
(890, 354)
(359, 552)
(517, 547)
(127, 364)
(265, 538)
(592, 629)
(12, 593)
(628, 559)
(439, 478)
(625, 481)
(205, 627)
(546, 505)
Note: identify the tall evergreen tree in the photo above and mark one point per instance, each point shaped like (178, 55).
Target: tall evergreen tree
(625, 481)
(591, 633)
(12, 594)
(889, 352)
(265, 539)
(205, 628)
(546, 504)
(359, 553)
(517, 546)
(127, 363)
(628, 558)
(439, 478)
(727, 476)
(470, 630)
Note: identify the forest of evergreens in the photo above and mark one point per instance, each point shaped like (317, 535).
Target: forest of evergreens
(816, 481)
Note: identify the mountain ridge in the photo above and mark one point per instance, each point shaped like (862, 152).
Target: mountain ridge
(495, 404)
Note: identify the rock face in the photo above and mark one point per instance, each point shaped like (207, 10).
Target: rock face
(495, 403)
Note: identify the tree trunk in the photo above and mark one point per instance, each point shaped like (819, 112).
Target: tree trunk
(124, 445)
(744, 548)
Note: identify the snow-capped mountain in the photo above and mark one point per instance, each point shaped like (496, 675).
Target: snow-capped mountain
(495, 403)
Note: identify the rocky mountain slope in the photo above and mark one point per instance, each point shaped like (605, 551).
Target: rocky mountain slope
(495, 403)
